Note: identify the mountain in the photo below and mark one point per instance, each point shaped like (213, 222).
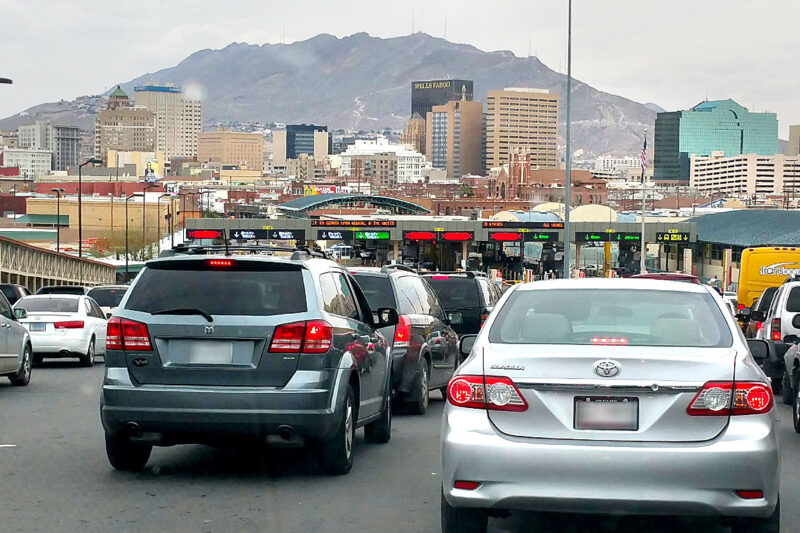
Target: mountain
(364, 83)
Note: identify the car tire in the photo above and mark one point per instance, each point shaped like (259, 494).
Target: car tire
(796, 410)
(422, 391)
(336, 455)
(87, 359)
(125, 455)
(771, 524)
(463, 519)
(786, 390)
(23, 375)
(380, 431)
(38, 360)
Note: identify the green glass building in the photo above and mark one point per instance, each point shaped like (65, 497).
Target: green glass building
(718, 125)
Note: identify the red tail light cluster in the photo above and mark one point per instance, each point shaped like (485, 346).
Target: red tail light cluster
(485, 392)
(69, 324)
(124, 334)
(312, 336)
(747, 397)
(776, 329)
(402, 332)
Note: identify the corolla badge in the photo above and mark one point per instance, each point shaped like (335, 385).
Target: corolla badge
(507, 367)
(607, 368)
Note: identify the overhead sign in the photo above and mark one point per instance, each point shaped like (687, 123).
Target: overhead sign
(607, 236)
(530, 225)
(334, 235)
(672, 236)
(458, 236)
(419, 235)
(519, 236)
(250, 234)
(193, 234)
(356, 223)
(287, 235)
(372, 235)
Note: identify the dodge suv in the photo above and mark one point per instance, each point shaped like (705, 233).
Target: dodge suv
(215, 348)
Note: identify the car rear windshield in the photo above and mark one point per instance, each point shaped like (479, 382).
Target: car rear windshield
(219, 292)
(67, 289)
(455, 292)
(766, 299)
(793, 300)
(48, 305)
(377, 289)
(9, 292)
(611, 316)
(107, 297)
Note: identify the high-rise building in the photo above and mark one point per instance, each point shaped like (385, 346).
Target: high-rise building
(454, 138)
(714, 126)
(746, 174)
(415, 133)
(357, 161)
(231, 148)
(523, 121)
(426, 94)
(794, 140)
(179, 119)
(63, 142)
(298, 139)
(123, 127)
(32, 162)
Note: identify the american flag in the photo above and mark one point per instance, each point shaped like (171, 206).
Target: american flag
(644, 155)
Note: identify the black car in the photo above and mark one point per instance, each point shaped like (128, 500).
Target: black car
(13, 292)
(272, 350)
(424, 347)
(78, 290)
(468, 293)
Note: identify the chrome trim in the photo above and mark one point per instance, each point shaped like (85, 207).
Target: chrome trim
(573, 385)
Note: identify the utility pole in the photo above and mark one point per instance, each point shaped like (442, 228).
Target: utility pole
(643, 250)
(568, 180)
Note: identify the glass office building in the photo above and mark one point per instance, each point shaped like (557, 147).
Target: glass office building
(718, 125)
(300, 139)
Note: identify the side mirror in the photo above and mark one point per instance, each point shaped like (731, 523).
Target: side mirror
(455, 319)
(796, 321)
(744, 313)
(465, 345)
(759, 349)
(387, 316)
(20, 313)
(791, 339)
(758, 316)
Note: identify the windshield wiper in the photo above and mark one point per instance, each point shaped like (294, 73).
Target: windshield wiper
(184, 311)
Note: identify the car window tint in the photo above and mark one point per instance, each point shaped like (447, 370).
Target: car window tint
(49, 305)
(5, 309)
(377, 289)
(407, 296)
(330, 296)
(348, 305)
(766, 299)
(88, 308)
(484, 287)
(422, 296)
(793, 300)
(9, 292)
(455, 292)
(107, 297)
(96, 310)
(433, 301)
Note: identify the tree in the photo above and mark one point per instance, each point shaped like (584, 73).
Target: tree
(466, 191)
(113, 242)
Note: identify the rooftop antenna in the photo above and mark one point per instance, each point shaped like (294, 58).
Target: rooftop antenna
(422, 20)
(412, 21)
(445, 25)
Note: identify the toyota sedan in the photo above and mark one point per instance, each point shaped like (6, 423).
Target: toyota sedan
(610, 397)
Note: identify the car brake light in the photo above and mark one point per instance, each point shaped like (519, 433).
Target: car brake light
(402, 332)
(314, 336)
(124, 334)
(740, 307)
(759, 325)
(440, 277)
(220, 263)
(69, 324)
(776, 329)
(749, 398)
(613, 341)
(490, 392)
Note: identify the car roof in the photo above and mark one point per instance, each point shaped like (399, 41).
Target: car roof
(50, 296)
(312, 263)
(110, 287)
(642, 284)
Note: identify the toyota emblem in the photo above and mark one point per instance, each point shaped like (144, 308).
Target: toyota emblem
(606, 368)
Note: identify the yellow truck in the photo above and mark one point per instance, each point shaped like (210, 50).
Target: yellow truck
(765, 267)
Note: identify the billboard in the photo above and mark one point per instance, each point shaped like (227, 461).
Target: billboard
(428, 93)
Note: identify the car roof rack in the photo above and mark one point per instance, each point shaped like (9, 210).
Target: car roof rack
(404, 268)
(465, 273)
(298, 252)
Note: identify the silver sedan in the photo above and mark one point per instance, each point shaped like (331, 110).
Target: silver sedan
(610, 397)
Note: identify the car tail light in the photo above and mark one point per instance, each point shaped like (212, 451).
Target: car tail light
(124, 334)
(314, 336)
(485, 392)
(776, 329)
(220, 264)
(69, 324)
(749, 398)
(613, 341)
(750, 494)
(739, 307)
(402, 332)
(466, 485)
(759, 325)
(318, 337)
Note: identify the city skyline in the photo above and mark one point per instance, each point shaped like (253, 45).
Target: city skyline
(734, 49)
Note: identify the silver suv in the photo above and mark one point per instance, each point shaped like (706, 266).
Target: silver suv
(783, 317)
(218, 348)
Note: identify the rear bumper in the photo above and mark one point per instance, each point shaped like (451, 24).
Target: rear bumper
(310, 404)
(55, 344)
(604, 478)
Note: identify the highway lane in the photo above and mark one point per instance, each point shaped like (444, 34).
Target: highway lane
(55, 477)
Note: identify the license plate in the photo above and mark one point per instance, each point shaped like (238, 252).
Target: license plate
(38, 326)
(607, 413)
(210, 353)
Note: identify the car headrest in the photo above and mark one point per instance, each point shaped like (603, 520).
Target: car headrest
(545, 328)
(679, 331)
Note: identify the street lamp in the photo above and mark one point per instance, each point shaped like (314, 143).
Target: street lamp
(127, 276)
(568, 177)
(158, 218)
(90, 161)
(58, 192)
(144, 209)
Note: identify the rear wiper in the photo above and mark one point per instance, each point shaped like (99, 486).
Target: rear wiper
(184, 311)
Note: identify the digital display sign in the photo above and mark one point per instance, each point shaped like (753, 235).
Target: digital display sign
(192, 234)
(334, 235)
(672, 236)
(286, 235)
(419, 235)
(530, 225)
(355, 223)
(457, 236)
(520, 236)
(372, 235)
(607, 236)
(250, 234)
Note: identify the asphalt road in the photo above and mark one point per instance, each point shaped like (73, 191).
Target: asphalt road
(55, 477)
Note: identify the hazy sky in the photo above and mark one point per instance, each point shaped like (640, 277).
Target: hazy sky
(671, 52)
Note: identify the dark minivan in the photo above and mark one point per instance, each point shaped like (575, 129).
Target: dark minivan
(213, 349)
(424, 346)
(468, 293)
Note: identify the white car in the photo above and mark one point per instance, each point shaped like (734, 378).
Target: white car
(64, 326)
